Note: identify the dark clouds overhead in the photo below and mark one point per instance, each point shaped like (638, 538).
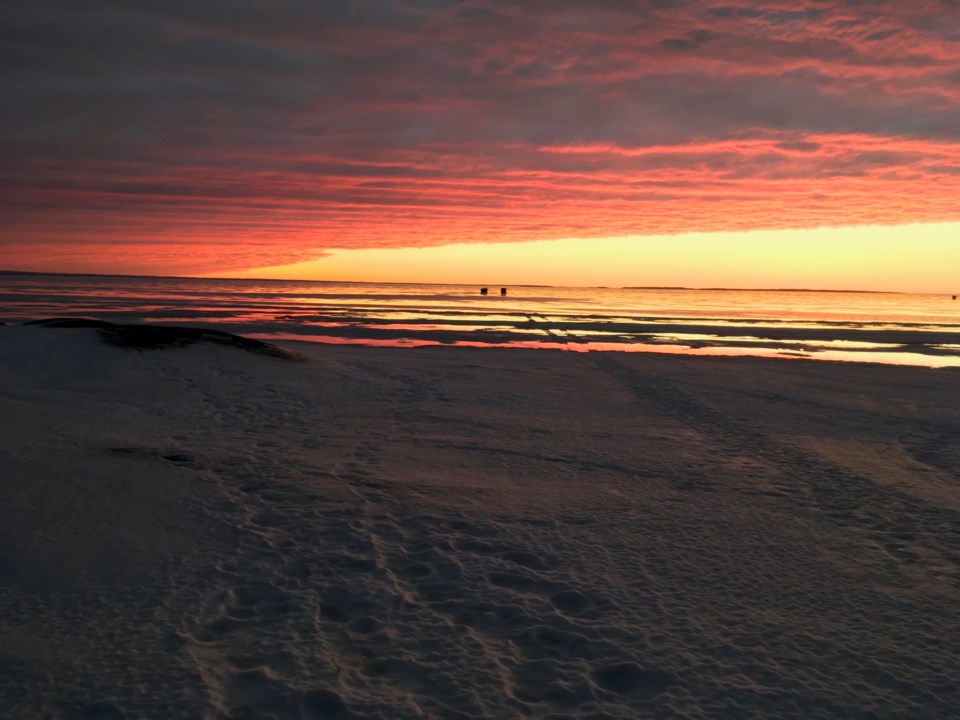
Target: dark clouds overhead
(288, 127)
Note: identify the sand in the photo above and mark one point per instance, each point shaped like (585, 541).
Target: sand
(203, 532)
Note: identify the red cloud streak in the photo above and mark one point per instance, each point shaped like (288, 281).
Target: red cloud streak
(196, 142)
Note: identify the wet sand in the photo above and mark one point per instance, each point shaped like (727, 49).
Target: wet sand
(456, 533)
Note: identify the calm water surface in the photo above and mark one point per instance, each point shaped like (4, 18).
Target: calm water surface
(875, 327)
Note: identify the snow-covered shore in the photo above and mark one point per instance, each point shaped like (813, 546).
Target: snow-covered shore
(462, 533)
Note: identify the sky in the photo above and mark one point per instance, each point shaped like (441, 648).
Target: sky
(810, 143)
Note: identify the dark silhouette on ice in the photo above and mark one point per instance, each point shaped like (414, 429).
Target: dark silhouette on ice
(150, 337)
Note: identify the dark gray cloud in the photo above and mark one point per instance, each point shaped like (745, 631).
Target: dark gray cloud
(124, 104)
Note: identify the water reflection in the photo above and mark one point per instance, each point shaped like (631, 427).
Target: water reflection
(893, 358)
(871, 327)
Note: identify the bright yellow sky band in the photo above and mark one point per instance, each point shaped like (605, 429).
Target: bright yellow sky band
(908, 258)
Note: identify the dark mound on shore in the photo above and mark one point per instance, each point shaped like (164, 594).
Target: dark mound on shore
(152, 337)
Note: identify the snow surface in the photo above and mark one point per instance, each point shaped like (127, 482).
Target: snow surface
(460, 533)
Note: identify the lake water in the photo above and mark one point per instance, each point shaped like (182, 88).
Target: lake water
(911, 329)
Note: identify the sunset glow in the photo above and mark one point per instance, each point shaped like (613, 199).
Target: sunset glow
(916, 258)
(633, 143)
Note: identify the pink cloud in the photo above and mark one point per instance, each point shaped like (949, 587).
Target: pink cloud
(271, 134)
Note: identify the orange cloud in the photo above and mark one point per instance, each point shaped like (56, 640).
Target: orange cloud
(195, 141)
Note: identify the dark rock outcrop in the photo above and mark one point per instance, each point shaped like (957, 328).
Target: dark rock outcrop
(151, 337)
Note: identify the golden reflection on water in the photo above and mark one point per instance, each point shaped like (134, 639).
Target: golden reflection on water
(890, 358)
(865, 327)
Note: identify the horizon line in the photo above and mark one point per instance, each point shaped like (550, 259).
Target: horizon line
(524, 285)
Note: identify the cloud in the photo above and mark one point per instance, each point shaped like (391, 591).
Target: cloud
(295, 127)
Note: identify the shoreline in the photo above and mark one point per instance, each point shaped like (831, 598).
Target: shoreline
(905, 347)
(874, 327)
(894, 358)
